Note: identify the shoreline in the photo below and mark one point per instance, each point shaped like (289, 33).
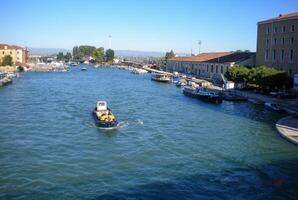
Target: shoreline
(287, 127)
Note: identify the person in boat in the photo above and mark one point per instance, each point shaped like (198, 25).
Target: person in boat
(107, 117)
(111, 117)
(103, 117)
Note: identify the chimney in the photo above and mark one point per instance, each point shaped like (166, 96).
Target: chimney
(280, 15)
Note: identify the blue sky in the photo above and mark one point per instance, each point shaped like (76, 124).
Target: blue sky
(150, 25)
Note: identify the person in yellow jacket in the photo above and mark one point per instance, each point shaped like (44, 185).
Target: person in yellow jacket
(103, 117)
(111, 117)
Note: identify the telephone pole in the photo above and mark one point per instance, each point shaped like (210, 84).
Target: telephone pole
(200, 42)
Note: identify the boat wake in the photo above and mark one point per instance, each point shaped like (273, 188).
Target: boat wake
(138, 121)
(121, 124)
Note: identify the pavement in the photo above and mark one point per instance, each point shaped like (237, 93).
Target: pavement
(289, 105)
(288, 128)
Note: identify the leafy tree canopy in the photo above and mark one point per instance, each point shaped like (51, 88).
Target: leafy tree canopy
(170, 55)
(110, 55)
(7, 60)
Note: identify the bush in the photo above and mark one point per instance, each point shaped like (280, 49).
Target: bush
(7, 60)
(263, 77)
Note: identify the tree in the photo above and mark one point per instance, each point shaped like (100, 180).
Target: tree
(265, 78)
(60, 56)
(82, 51)
(7, 60)
(109, 55)
(67, 57)
(99, 55)
(170, 55)
(238, 74)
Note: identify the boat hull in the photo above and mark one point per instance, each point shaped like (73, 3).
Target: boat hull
(161, 80)
(104, 124)
(212, 99)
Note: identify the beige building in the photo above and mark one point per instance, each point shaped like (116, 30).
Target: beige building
(19, 54)
(210, 65)
(277, 43)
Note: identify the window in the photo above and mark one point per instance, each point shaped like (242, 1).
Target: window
(293, 28)
(207, 68)
(282, 55)
(267, 42)
(284, 29)
(274, 54)
(275, 41)
(291, 55)
(283, 41)
(221, 69)
(211, 68)
(3, 52)
(268, 30)
(292, 40)
(266, 55)
(216, 69)
(10, 52)
(290, 71)
(275, 29)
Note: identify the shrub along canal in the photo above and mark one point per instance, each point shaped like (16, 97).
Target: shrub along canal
(169, 145)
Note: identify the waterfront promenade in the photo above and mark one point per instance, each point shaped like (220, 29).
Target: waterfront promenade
(288, 128)
(289, 105)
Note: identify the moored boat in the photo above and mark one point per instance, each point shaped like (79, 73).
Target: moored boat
(161, 77)
(273, 107)
(83, 69)
(104, 117)
(204, 94)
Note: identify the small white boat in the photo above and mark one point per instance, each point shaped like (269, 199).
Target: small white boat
(138, 71)
(161, 77)
(83, 69)
(104, 117)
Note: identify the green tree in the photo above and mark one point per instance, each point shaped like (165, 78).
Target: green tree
(67, 56)
(99, 55)
(7, 60)
(170, 55)
(60, 56)
(109, 55)
(238, 74)
(80, 52)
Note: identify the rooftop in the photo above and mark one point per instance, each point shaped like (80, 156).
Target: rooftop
(201, 57)
(281, 17)
(2, 46)
(220, 57)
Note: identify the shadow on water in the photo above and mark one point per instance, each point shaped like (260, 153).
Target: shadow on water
(247, 182)
(241, 109)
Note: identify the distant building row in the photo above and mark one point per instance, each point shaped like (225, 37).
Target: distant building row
(277, 46)
(19, 54)
(210, 65)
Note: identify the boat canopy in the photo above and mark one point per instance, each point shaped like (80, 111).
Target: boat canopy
(101, 106)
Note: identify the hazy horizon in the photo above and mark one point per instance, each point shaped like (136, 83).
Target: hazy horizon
(139, 25)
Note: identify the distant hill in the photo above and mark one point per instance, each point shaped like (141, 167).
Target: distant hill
(121, 53)
(47, 51)
(135, 53)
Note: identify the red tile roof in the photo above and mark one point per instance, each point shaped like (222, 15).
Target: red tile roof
(223, 57)
(201, 57)
(281, 17)
(2, 46)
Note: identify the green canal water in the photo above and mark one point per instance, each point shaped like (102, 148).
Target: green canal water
(169, 146)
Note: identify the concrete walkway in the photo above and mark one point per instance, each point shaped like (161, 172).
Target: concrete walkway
(288, 128)
(289, 105)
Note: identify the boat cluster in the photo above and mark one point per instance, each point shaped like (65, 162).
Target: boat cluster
(7, 78)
